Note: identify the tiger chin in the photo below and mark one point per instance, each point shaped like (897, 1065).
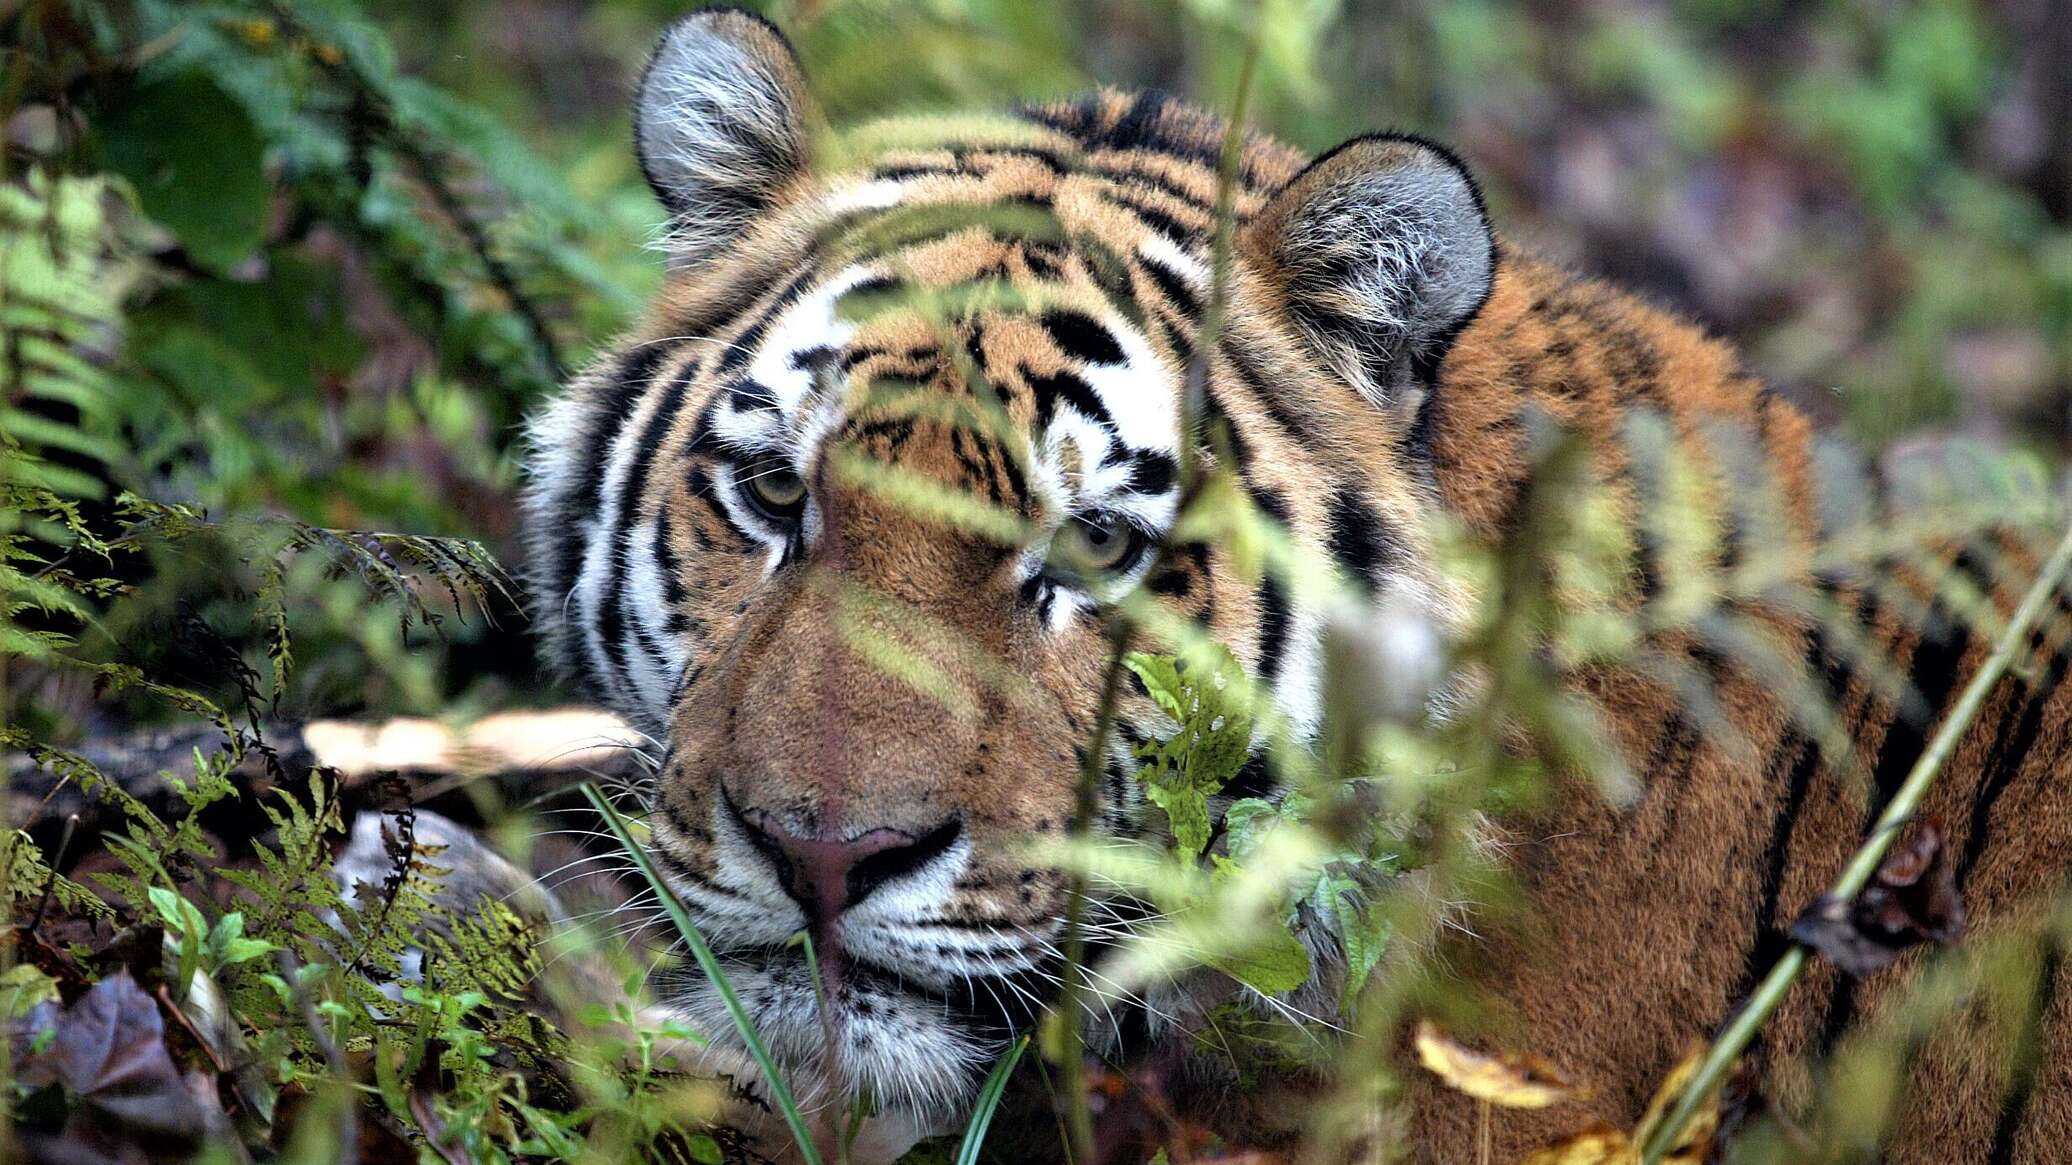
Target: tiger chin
(713, 545)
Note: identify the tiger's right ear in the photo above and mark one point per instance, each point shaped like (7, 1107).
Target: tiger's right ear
(720, 125)
(1385, 253)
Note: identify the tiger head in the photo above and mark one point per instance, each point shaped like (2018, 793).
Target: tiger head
(837, 524)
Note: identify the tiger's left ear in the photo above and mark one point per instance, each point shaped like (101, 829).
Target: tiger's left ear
(1384, 252)
(721, 126)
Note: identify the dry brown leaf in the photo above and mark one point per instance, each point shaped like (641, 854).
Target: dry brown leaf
(1608, 1146)
(1512, 1079)
(1697, 1134)
(1912, 899)
(1598, 1146)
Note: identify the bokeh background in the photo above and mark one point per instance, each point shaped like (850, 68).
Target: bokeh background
(1872, 199)
(342, 247)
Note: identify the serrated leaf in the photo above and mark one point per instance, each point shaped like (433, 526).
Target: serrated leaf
(1161, 676)
(1365, 935)
(1188, 812)
(1205, 695)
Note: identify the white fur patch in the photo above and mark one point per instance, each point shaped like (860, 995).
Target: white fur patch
(718, 133)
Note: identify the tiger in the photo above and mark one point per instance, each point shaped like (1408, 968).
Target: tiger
(699, 534)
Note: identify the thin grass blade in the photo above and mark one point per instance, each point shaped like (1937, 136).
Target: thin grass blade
(779, 1091)
(989, 1101)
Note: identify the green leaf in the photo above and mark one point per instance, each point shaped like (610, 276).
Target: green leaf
(196, 162)
(22, 987)
(1366, 936)
(1207, 693)
(1187, 810)
(1161, 676)
(704, 1149)
(988, 1101)
(1277, 962)
(168, 905)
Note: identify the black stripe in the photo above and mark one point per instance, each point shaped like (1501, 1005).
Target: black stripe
(2011, 746)
(1173, 287)
(1669, 767)
(1255, 381)
(1274, 609)
(1073, 119)
(1127, 177)
(1771, 937)
(611, 614)
(1048, 159)
(1932, 665)
(899, 172)
(1049, 390)
(742, 347)
(673, 591)
(1361, 539)
(1082, 338)
(1175, 231)
(684, 871)
(612, 403)
(1151, 472)
(1136, 125)
(749, 396)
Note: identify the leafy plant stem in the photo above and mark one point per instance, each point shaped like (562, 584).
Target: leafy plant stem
(808, 1150)
(1857, 874)
(1194, 394)
(1071, 1069)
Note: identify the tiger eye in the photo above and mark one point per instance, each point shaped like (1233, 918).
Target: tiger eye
(776, 490)
(1097, 545)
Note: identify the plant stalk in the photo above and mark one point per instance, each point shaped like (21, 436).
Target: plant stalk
(1857, 874)
(1079, 1121)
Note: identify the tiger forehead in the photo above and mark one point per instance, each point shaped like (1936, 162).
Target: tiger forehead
(1004, 294)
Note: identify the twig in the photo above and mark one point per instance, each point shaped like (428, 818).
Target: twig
(50, 883)
(1079, 1121)
(368, 97)
(1857, 874)
(1077, 1118)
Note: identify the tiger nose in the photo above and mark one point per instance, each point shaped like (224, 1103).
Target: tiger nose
(828, 875)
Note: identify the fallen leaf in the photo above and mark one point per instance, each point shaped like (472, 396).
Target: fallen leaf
(1604, 1145)
(1597, 1146)
(1512, 1079)
(109, 1051)
(1694, 1143)
(1912, 899)
(129, 1101)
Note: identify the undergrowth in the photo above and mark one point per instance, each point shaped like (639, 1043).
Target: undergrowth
(195, 471)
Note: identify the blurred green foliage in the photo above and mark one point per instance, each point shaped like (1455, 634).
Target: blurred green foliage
(353, 242)
(276, 274)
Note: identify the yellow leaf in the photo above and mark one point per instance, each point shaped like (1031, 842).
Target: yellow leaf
(257, 33)
(1691, 1146)
(1512, 1079)
(1609, 1146)
(1600, 1146)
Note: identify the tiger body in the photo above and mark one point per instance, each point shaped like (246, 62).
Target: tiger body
(725, 507)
